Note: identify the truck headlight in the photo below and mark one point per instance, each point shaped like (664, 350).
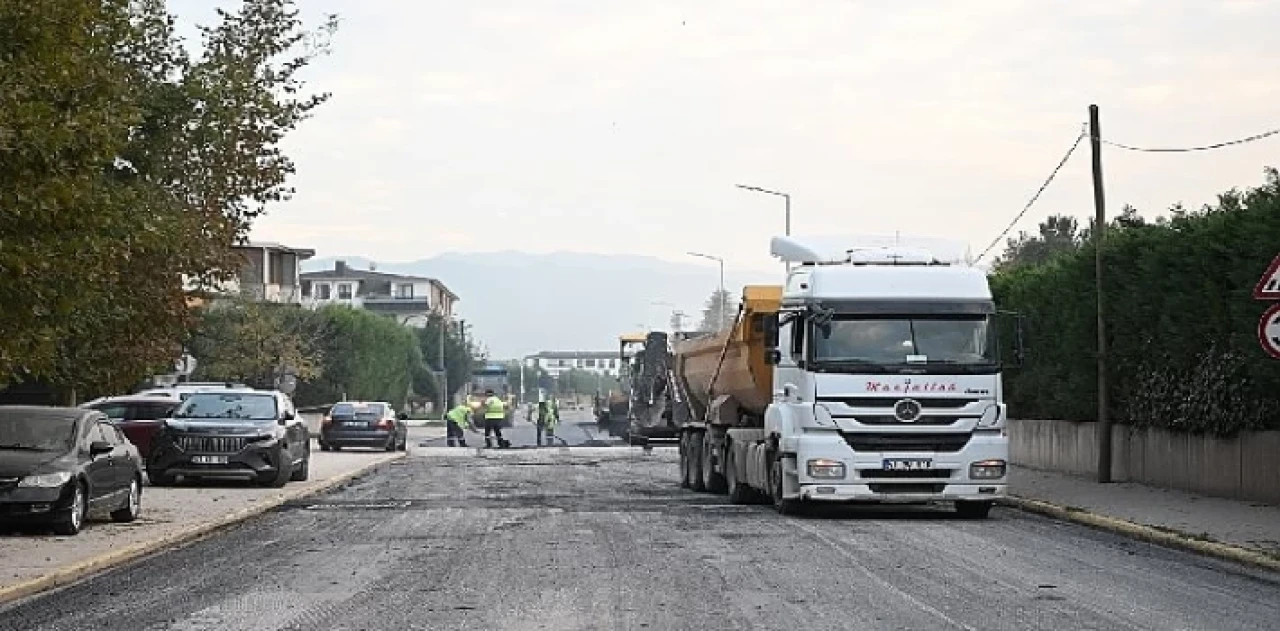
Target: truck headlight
(992, 417)
(824, 468)
(987, 470)
(45, 481)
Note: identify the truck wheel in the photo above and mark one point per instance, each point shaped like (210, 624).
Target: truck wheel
(973, 509)
(714, 482)
(686, 480)
(739, 493)
(782, 505)
(698, 482)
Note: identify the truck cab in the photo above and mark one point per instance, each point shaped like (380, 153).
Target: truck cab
(886, 387)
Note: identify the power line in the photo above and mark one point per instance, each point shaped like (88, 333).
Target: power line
(1036, 197)
(1216, 145)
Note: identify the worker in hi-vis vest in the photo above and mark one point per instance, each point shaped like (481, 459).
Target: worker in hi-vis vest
(495, 412)
(548, 418)
(457, 420)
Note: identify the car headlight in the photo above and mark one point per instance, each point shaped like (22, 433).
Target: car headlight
(45, 481)
(987, 470)
(824, 468)
(992, 417)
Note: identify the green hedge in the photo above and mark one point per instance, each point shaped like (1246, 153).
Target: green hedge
(1181, 322)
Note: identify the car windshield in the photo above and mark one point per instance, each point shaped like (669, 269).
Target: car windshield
(21, 431)
(249, 407)
(360, 412)
(897, 341)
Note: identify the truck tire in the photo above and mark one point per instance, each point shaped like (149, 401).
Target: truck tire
(713, 482)
(782, 505)
(686, 479)
(739, 493)
(696, 481)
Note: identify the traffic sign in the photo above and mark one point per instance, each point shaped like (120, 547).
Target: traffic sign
(1269, 331)
(1268, 287)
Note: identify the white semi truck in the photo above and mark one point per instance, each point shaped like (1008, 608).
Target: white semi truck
(872, 375)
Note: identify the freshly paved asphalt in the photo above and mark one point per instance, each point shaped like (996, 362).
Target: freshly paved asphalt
(603, 538)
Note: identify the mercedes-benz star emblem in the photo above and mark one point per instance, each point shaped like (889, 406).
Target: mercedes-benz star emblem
(907, 410)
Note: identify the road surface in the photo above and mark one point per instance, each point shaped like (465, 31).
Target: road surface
(603, 538)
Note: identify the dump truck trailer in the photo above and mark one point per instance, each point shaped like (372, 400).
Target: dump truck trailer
(871, 375)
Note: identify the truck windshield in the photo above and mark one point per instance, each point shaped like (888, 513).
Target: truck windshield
(906, 341)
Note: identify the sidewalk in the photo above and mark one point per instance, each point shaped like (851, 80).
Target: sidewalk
(1170, 517)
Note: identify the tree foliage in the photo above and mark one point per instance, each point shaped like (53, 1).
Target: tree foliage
(129, 167)
(1181, 321)
(458, 355)
(254, 343)
(720, 311)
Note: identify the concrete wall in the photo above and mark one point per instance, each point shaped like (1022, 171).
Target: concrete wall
(1246, 467)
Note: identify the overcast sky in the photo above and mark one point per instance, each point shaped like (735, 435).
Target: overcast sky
(623, 125)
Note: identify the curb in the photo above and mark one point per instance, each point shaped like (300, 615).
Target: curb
(1169, 539)
(71, 574)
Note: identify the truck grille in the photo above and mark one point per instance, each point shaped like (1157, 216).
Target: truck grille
(923, 420)
(212, 444)
(927, 403)
(901, 441)
(881, 474)
(907, 488)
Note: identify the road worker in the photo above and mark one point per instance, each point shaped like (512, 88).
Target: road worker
(548, 418)
(495, 412)
(457, 420)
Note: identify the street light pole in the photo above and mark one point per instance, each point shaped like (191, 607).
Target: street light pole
(785, 196)
(720, 297)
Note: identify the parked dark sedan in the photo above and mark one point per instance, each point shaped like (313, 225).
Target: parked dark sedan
(139, 417)
(247, 435)
(364, 424)
(61, 466)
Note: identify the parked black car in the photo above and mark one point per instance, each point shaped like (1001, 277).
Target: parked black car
(243, 434)
(61, 466)
(364, 424)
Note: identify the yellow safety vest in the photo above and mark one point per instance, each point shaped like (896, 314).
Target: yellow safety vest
(494, 408)
(460, 416)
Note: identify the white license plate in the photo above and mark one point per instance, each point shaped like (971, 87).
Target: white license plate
(209, 459)
(908, 464)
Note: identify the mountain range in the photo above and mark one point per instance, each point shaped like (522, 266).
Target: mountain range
(519, 303)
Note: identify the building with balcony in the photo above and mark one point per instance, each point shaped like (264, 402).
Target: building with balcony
(268, 272)
(410, 300)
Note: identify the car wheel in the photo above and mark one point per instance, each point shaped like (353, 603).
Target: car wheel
(284, 469)
(303, 472)
(70, 521)
(132, 506)
(391, 443)
(781, 504)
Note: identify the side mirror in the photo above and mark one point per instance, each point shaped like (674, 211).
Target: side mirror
(769, 326)
(773, 357)
(99, 447)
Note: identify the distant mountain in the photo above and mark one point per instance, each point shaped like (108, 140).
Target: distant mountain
(520, 303)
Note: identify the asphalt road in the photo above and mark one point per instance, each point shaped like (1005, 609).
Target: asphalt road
(603, 538)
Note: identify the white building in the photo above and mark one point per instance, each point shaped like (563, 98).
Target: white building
(268, 272)
(408, 299)
(557, 362)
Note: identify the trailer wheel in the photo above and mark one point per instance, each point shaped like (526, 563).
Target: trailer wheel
(686, 480)
(714, 482)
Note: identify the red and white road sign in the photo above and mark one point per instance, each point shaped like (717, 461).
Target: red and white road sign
(1269, 331)
(1268, 287)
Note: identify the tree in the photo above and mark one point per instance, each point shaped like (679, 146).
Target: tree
(1056, 235)
(127, 169)
(720, 311)
(254, 343)
(458, 355)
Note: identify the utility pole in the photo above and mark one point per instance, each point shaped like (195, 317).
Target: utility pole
(444, 372)
(1099, 232)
